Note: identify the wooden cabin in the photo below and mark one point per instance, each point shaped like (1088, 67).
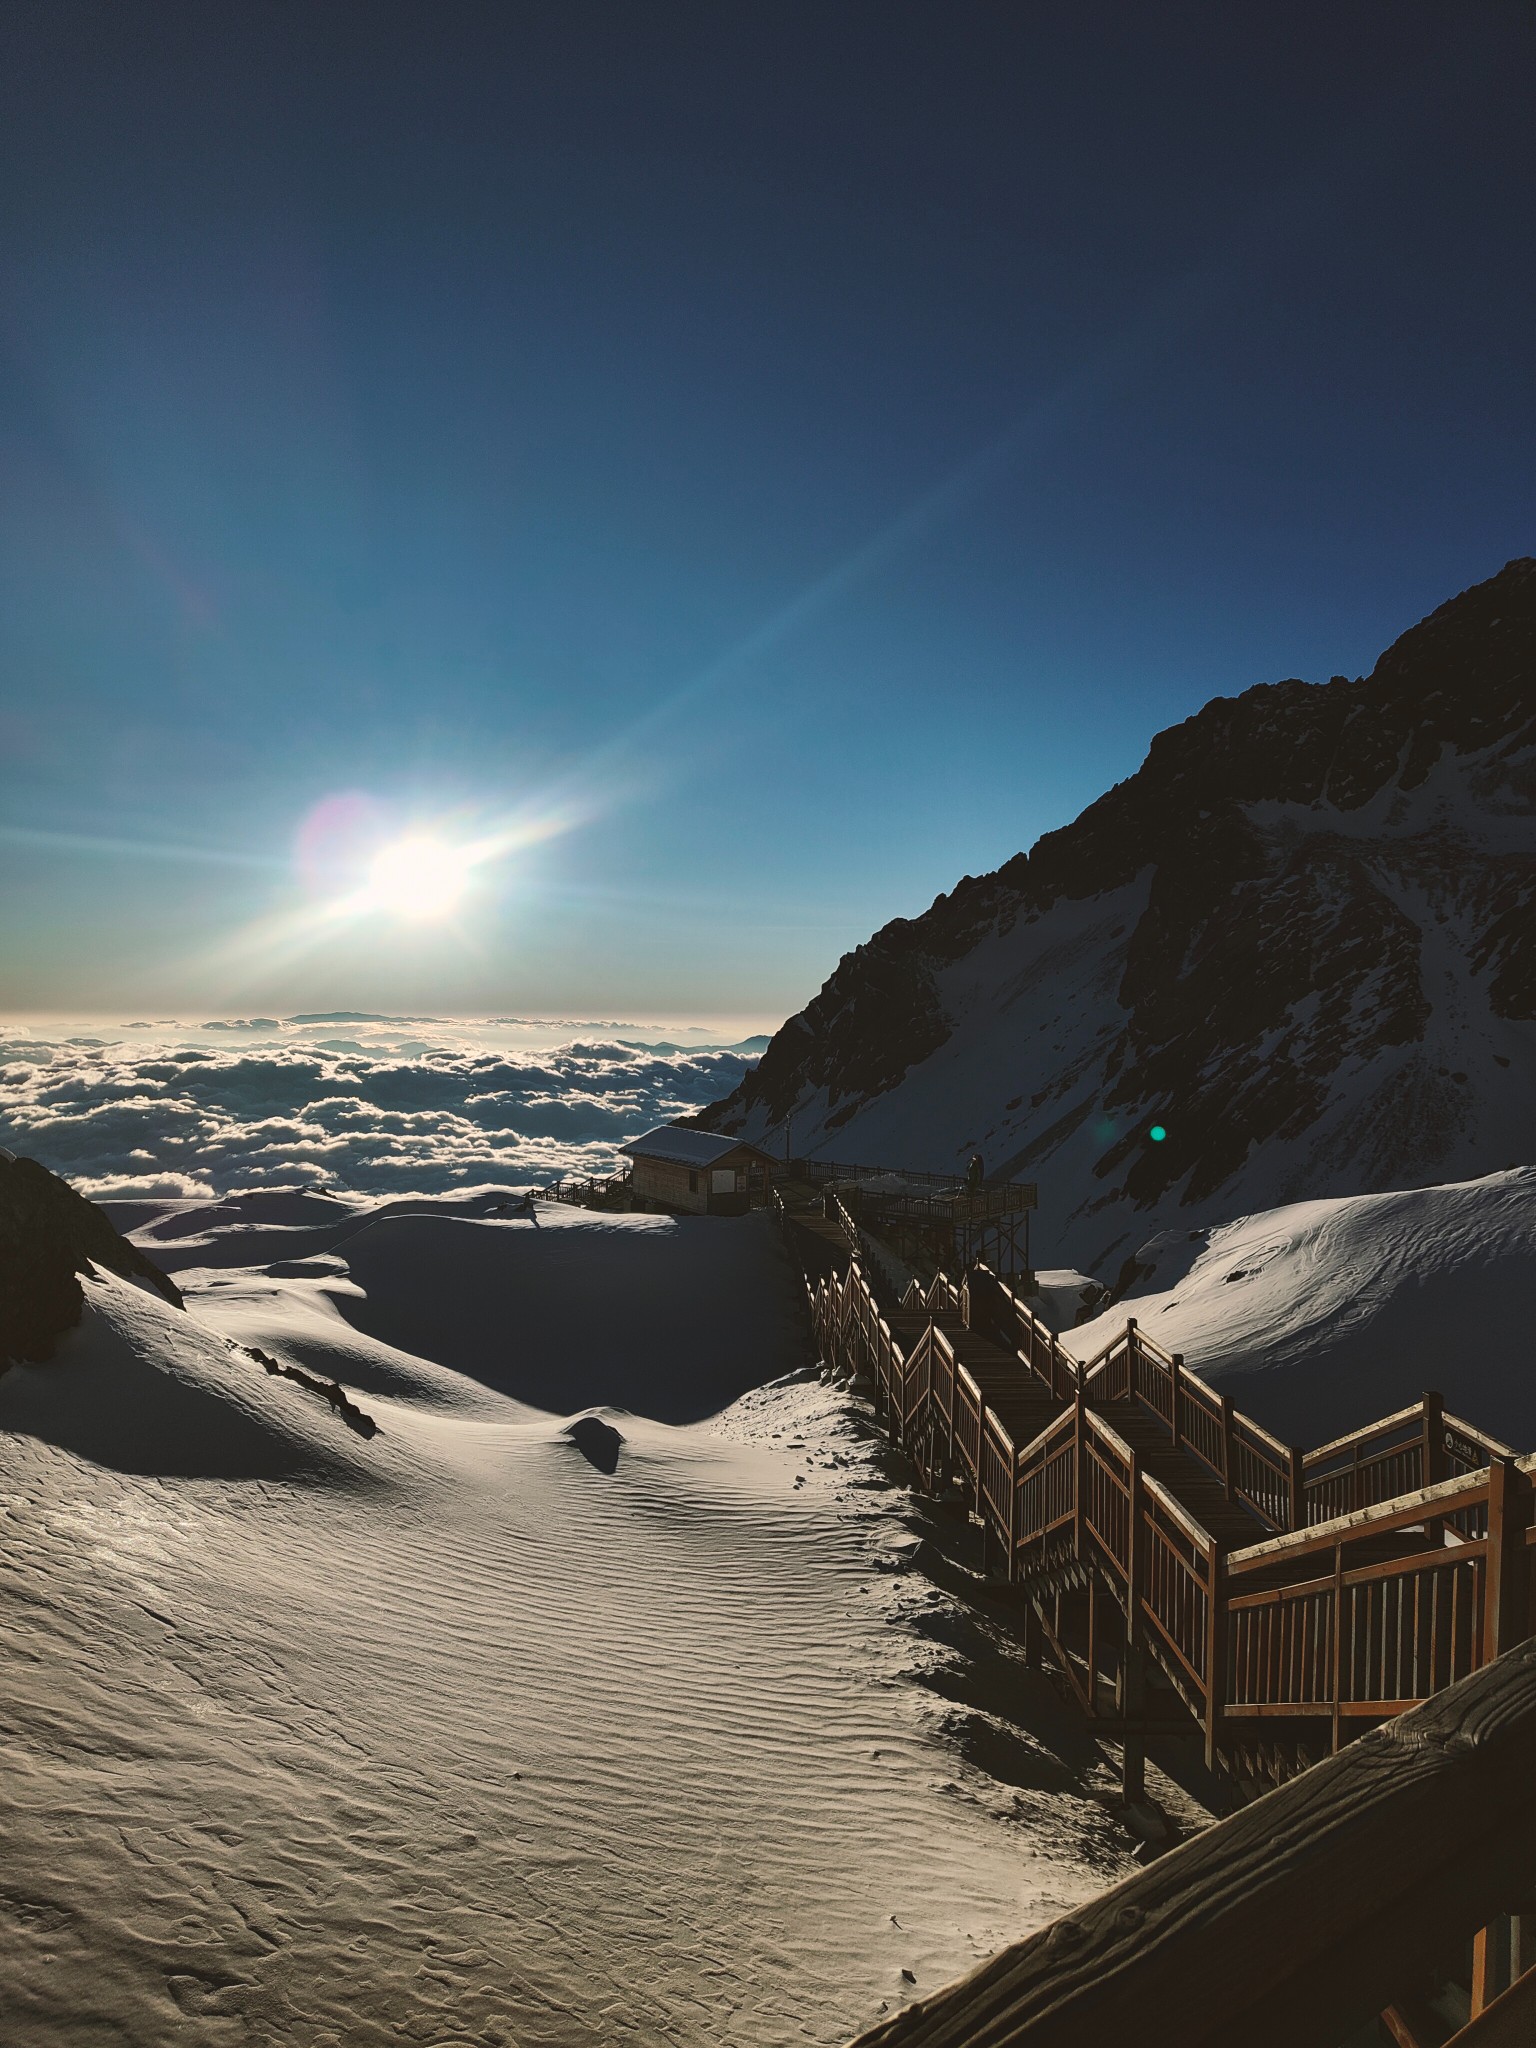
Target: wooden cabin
(698, 1172)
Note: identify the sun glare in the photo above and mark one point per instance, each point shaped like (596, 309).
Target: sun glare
(418, 878)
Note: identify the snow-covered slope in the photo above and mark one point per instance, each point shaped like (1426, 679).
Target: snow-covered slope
(447, 1735)
(1323, 1316)
(1301, 940)
(673, 1316)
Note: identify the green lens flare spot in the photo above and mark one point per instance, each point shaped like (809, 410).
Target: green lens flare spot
(1157, 1134)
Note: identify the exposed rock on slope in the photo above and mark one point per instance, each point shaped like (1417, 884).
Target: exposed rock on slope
(49, 1235)
(1302, 938)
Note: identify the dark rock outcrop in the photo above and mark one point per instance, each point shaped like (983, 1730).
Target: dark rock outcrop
(49, 1236)
(331, 1391)
(598, 1442)
(1304, 930)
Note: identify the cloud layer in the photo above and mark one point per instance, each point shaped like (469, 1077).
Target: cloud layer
(184, 1118)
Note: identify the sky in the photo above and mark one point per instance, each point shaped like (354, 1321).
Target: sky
(703, 478)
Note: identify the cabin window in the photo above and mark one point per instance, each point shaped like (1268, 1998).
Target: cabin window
(723, 1181)
(693, 1183)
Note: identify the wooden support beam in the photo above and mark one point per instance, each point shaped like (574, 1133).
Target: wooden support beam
(1032, 1634)
(1297, 1920)
(1133, 1740)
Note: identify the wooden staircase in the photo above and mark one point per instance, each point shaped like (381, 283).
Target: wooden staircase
(1167, 1547)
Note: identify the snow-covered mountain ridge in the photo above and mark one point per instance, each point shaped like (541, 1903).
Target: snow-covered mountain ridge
(1301, 938)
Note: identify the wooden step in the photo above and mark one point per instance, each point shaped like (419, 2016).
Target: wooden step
(1191, 1483)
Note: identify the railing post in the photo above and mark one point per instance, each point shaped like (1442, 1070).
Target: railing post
(1337, 1680)
(1298, 1488)
(1013, 1518)
(1433, 1453)
(1133, 1547)
(1131, 1341)
(1176, 1383)
(1133, 1675)
(1228, 1461)
(1505, 1621)
(1079, 1461)
(1215, 1652)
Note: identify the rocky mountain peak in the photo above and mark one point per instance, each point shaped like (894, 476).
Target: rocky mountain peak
(1301, 939)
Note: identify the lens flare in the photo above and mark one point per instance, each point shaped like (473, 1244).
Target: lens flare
(1157, 1134)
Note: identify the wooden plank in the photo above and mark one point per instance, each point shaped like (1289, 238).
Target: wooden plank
(1296, 1920)
(1509, 2022)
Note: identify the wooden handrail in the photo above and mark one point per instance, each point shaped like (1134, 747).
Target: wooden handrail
(1176, 1510)
(1296, 1921)
(1480, 1437)
(1250, 1428)
(1112, 1437)
(1403, 1512)
(1396, 1420)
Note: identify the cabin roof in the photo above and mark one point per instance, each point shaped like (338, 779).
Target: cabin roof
(686, 1148)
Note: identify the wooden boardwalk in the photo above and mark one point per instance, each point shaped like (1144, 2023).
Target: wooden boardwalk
(1174, 1555)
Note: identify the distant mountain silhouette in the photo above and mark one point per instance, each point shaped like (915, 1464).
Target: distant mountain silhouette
(1301, 940)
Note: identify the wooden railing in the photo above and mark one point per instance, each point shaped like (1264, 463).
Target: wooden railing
(903, 1192)
(1361, 1607)
(1255, 1468)
(1418, 1446)
(1181, 1596)
(1361, 1615)
(597, 1187)
(1346, 1617)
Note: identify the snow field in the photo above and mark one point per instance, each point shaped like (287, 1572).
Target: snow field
(447, 1736)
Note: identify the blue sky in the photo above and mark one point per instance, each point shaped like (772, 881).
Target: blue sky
(752, 464)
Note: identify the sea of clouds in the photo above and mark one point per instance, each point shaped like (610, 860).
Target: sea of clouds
(219, 1108)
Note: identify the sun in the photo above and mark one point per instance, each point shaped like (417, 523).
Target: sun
(418, 878)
